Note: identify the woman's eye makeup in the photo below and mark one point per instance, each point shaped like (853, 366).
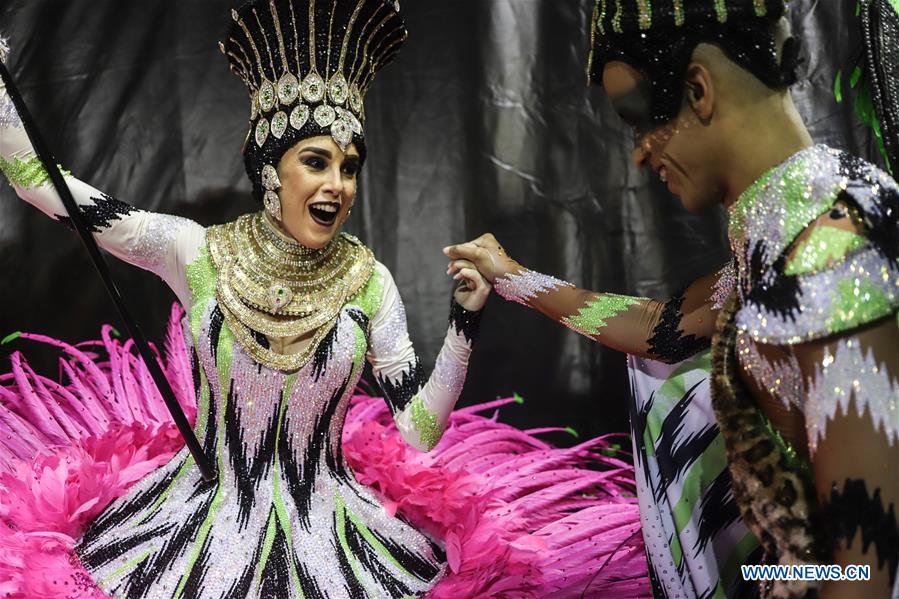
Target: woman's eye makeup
(317, 162)
(314, 162)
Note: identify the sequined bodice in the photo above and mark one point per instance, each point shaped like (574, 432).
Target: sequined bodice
(261, 408)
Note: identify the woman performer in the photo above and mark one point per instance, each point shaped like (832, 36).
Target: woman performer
(282, 311)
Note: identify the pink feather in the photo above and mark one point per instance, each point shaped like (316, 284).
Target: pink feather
(518, 517)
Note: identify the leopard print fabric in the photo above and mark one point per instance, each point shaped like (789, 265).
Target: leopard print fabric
(776, 496)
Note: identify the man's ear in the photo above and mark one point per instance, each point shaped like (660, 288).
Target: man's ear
(700, 92)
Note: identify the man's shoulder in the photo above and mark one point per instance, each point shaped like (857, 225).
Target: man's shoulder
(867, 185)
(839, 267)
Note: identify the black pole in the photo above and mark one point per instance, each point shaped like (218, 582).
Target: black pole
(165, 389)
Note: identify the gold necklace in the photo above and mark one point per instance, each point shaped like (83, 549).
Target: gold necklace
(271, 285)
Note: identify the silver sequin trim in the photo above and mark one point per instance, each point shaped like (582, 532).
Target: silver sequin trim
(8, 113)
(851, 373)
(9, 117)
(150, 249)
(724, 286)
(526, 286)
(782, 380)
(390, 337)
(449, 373)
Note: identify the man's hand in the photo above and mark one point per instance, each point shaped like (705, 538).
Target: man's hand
(486, 254)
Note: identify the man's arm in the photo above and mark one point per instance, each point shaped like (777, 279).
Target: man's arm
(669, 331)
(851, 410)
(852, 420)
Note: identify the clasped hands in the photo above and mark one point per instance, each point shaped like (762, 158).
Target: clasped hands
(477, 264)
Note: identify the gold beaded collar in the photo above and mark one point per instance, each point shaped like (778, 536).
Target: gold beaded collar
(269, 285)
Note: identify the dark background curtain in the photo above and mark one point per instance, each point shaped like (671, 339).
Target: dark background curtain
(484, 123)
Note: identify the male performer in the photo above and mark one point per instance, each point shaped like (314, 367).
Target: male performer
(804, 359)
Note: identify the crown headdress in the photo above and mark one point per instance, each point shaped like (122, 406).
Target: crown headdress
(309, 63)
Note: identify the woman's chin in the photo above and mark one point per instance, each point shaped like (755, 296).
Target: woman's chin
(316, 240)
(310, 233)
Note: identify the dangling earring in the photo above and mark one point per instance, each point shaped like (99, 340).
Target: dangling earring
(272, 184)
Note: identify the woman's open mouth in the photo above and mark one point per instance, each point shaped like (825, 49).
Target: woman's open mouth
(324, 213)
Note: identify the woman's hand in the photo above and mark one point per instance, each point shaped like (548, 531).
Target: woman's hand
(485, 254)
(473, 288)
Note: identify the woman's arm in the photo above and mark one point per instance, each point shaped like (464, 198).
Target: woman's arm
(159, 243)
(421, 405)
(669, 331)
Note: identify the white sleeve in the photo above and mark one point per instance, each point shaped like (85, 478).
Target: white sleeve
(160, 243)
(421, 407)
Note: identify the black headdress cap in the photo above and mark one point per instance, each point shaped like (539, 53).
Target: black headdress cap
(658, 37)
(308, 65)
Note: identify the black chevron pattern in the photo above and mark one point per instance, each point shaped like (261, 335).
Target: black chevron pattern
(287, 461)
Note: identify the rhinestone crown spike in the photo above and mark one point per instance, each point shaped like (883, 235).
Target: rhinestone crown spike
(311, 61)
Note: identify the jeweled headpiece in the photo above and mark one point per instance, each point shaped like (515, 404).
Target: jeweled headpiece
(658, 38)
(308, 65)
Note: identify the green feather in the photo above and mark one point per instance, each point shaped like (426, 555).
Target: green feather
(856, 75)
(11, 337)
